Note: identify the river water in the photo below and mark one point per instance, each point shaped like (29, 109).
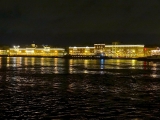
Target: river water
(56, 88)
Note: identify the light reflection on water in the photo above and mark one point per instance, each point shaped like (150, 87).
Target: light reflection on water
(74, 66)
(54, 88)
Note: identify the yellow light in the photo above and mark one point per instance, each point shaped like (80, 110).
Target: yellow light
(56, 51)
(85, 51)
(71, 51)
(133, 62)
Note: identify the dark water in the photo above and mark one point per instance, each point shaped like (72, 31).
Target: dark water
(53, 88)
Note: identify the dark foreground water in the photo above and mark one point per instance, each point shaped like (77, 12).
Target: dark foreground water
(53, 88)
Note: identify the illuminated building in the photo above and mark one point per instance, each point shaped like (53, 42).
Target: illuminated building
(155, 51)
(35, 50)
(151, 50)
(99, 49)
(115, 50)
(4, 52)
(127, 51)
(81, 50)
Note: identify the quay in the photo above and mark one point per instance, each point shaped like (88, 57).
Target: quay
(70, 57)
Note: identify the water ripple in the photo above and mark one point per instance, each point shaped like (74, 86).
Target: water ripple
(78, 89)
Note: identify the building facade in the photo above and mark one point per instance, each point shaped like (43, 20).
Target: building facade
(126, 51)
(81, 50)
(115, 50)
(4, 52)
(34, 50)
(155, 51)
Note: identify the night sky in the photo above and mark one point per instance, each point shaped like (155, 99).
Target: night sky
(79, 22)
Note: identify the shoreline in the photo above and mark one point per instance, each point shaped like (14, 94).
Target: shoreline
(69, 57)
(86, 57)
